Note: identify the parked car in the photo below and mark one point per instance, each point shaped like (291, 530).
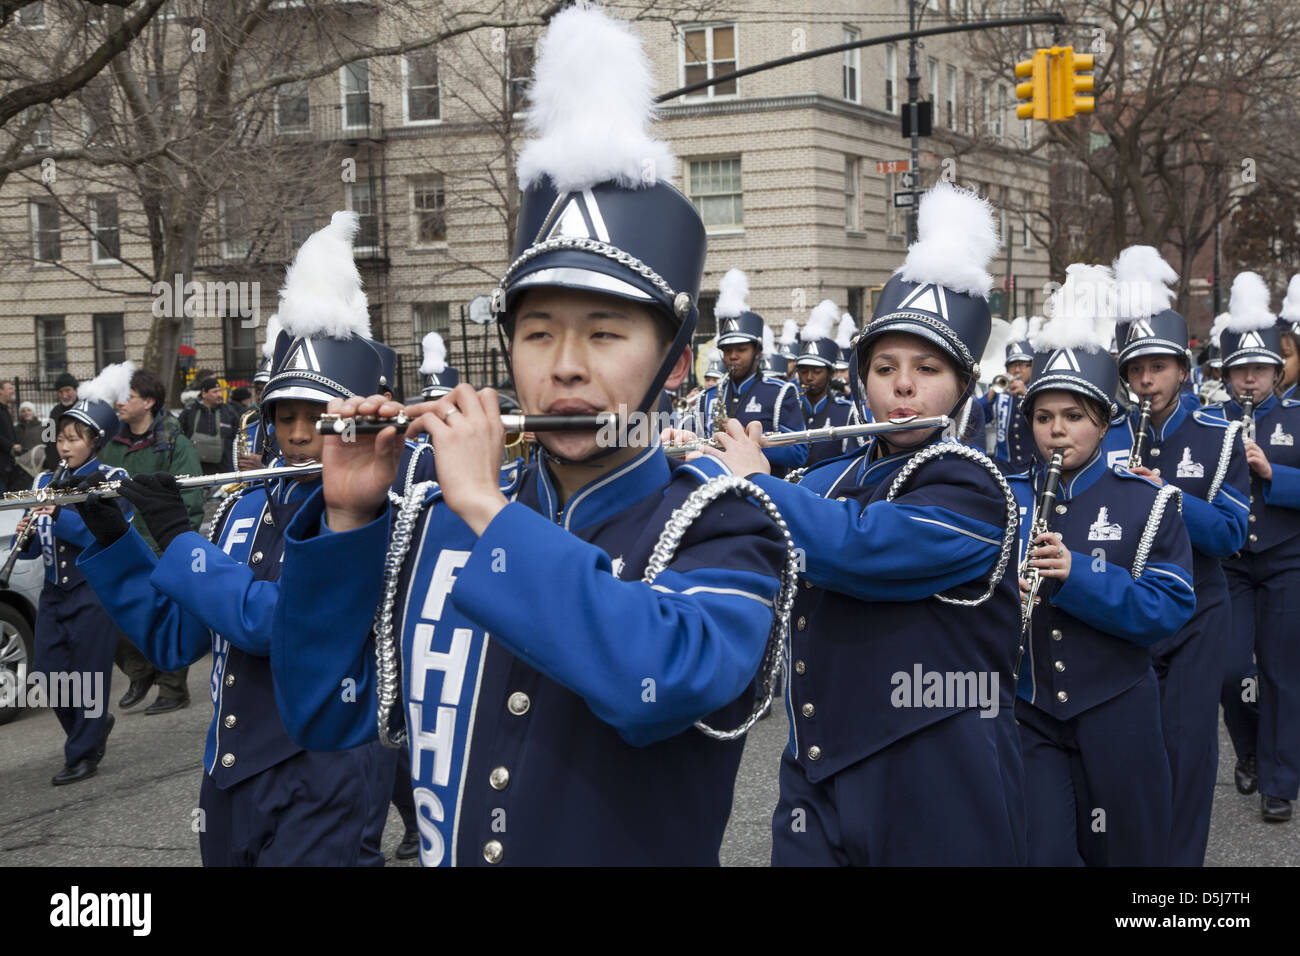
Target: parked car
(17, 618)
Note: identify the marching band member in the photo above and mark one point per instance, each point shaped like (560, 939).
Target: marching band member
(1203, 455)
(790, 348)
(254, 435)
(1013, 445)
(266, 801)
(843, 340)
(1117, 566)
(1288, 322)
(566, 735)
(822, 407)
(883, 766)
(74, 635)
(1265, 575)
(747, 393)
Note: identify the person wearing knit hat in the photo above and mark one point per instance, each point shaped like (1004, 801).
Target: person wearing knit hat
(66, 385)
(815, 364)
(74, 634)
(1088, 700)
(266, 800)
(913, 532)
(1202, 454)
(747, 393)
(1265, 724)
(504, 648)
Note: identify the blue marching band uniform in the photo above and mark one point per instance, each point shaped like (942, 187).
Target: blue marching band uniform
(547, 702)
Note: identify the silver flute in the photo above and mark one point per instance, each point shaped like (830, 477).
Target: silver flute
(333, 424)
(829, 433)
(109, 489)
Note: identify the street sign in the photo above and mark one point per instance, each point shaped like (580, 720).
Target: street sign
(909, 180)
(480, 310)
(904, 198)
(885, 166)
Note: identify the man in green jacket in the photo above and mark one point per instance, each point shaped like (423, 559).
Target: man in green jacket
(151, 440)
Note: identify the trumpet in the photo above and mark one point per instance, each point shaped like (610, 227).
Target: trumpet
(1042, 509)
(1144, 422)
(999, 384)
(110, 489)
(829, 433)
(21, 540)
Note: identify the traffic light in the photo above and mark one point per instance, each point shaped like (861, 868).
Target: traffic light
(1067, 83)
(1034, 89)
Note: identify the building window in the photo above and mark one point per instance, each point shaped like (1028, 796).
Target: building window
(428, 203)
(852, 66)
(895, 217)
(239, 347)
(429, 317)
(951, 104)
(187, 331)
(708, 326)
(708, 52)
(891, 75)
(1004, 219)
(293, 105)
(96, 112)
(1001, 113)
(985, 87)
(232, 212)
(51, 347)
(519, 73)
(46, 244)
(420, 77)
(164, 91)
(356, 93)
(851, 193)
(106, 246)
(42, 137)
(110, 339)
(301, 223)
(32, 16)
(714, 187)
(1025, 220)
(932, 66)
(968, 103)
(361, 200)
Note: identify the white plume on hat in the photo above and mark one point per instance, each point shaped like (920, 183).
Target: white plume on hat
(715, 356)
(1081, 310)
(591, 103)
(112, 385)
(821, 321)
(1248, 304)
(769, 340)
(789, 333)
(272, 333)
(1291, 304)
(956, 241)
(322, 290)
(1019, 328)
(434, 351)
(844, 334)
(1142, 277)
(1216, 328)
(1035, 325)
(733, 295)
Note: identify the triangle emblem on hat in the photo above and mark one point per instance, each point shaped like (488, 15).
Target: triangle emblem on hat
(301, 357)
(1250, 340)
(928, 297)
(1062, 360)
(572, 223)
(1141, 328)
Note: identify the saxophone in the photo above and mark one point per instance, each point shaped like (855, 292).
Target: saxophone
(242, 447)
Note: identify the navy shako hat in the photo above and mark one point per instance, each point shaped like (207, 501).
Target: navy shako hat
(820, 353)
(1146, 322)
(737, 323)
(1157, 335)
(1251, 335)
(845, 357)
(789, 347)
(263, 373)
(772, 365)
(97, 401)
(844, 339)
(439, 377)
(1020, 351)
(1070, 351)
(715, 370)
(324, 350)
(599, 212)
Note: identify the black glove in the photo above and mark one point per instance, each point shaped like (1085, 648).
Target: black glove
(158, 499)
(103, 518)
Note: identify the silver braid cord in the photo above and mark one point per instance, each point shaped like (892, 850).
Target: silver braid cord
(1009, 536)
(671, 537)
(1153, 526)
(795, 476)
(388, 679)
(411, 465)
(219, 516)
(1225, 456)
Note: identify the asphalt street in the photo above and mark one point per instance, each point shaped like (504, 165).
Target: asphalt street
(141, 808)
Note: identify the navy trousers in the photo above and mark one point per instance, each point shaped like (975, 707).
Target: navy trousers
(380, 792)
(948, 795)
(76, 637)
(403, 796)
(309, 810)
(1188, 667)
(1240, 691)
(1097, 786)
(1266, 605)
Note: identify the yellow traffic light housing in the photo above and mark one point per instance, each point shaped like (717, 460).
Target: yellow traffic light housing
(1067, 83)
(1080, 63)
(1034, 89)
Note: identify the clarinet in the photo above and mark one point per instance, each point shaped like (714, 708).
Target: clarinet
(1144, 422)
(1042, 509)
(1248, 417)
(23, 539)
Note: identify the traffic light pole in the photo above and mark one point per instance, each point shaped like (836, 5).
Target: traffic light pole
(914, 109)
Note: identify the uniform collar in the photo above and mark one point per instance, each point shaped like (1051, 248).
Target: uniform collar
(743, 387)
(814, 409)
(1080, 481)
(91, 465)
(1168, 428)
(1263, 408)
(607, 495)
